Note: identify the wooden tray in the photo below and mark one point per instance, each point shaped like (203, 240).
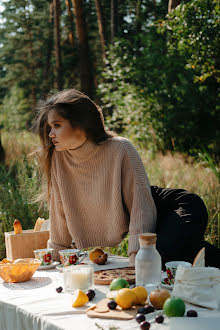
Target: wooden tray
(104, 277)
(102, 311)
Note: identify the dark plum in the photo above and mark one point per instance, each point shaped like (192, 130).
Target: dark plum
(159, 318)
(145, 325)
(146, 309)
(91, 294)
(191, 313)
(149, 309)
(112, 304)
(60, 289)
(140, 318)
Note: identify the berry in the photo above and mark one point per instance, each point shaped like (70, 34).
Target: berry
(145, 325)
(141, 310)
(140, 318)
(91, 294)
(191, 313)
(149, 309)
(60, 289)
(112, 304)
(146, 309)
(159, 318)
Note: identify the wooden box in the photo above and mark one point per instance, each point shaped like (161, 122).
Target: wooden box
(22, 245)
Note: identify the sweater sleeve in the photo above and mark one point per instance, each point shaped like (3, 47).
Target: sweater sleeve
(60, 237)
(137, 197)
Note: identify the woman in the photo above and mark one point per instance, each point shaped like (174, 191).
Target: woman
(98, 189)
(97, 185)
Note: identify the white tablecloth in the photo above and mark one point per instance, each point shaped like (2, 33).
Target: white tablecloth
(35, 305)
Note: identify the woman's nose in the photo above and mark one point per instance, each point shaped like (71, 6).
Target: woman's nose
(51, 134)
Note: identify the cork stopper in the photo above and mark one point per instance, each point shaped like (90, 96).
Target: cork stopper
(147, 238)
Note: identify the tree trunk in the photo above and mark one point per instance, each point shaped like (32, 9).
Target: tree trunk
(2, 152)
(101, 27)
(49, 48)
(114, 19)
(56, 8)
(173, 4)
(138, 18)
(86, 72)
(70, 16)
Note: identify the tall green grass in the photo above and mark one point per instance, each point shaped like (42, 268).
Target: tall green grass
(19, 184)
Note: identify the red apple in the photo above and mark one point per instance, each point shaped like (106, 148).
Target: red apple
(158, 297)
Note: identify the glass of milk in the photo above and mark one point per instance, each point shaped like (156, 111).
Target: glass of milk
(78, 277)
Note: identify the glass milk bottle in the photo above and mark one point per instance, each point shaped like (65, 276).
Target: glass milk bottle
(148, 263)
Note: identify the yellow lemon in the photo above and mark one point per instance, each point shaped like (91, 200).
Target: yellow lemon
(141, 295)
(79, 298)
(125, 298)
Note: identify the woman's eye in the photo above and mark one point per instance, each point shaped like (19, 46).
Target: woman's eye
(56, 125)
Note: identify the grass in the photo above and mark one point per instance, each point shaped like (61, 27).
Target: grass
(19, 183)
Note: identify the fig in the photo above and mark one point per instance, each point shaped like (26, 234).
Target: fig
(101, 260)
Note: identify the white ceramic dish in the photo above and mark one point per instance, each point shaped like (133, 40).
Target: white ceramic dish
(166, 286)
(53, 265)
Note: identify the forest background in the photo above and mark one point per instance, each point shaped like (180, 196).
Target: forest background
(152, 65)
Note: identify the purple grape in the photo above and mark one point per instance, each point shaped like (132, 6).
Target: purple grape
(91, 294)
(145, 325)
(191, 313)
(60, 289)
(159, 318)
(149, 309)
(112, 304)
(146, 309)
(140, 317)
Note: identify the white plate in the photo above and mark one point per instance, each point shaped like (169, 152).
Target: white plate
(167, 286)
(54, 264)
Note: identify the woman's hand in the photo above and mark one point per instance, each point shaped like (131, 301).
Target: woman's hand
(132, 260)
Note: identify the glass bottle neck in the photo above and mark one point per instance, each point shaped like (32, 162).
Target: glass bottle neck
(147, 246)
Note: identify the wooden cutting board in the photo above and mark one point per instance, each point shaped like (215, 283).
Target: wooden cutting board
(104, 277)
(101, 311)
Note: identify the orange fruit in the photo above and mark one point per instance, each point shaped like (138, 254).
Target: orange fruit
(95, 253)
(141, 295)
(125, 298)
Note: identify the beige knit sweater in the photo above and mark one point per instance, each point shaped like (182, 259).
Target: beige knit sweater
(99, 193)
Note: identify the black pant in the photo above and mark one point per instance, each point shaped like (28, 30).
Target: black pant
(181, 223)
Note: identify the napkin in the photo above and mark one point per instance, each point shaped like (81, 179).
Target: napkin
(194, 323)
(198, 285)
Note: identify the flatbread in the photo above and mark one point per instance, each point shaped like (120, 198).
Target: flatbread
(104, 277)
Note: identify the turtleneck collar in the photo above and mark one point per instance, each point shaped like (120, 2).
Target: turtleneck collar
(84, 152)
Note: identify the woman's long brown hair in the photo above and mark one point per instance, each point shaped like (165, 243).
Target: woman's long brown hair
(82, 113)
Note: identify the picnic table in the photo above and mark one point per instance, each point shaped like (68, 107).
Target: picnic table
(35, 305)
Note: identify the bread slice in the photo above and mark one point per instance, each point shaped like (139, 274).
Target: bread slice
(38, 224)
(199, 260)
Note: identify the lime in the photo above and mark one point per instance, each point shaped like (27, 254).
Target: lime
(118, 283)
(174, 307)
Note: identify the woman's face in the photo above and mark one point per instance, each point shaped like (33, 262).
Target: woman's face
(62, 134)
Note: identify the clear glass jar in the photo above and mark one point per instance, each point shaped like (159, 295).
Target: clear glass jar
(148, 263)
